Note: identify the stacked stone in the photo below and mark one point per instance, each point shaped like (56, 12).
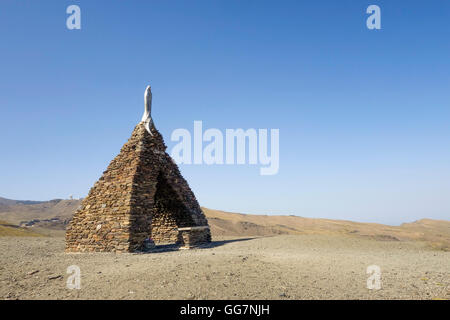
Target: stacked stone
(194, 236)
(141, 195)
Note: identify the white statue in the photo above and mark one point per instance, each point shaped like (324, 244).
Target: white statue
(147, 117)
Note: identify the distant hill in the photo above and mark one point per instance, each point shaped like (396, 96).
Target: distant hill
(9, 202)
(55, 214)
(9, 230)
(435, 232)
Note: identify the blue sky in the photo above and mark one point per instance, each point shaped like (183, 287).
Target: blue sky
(363, 114)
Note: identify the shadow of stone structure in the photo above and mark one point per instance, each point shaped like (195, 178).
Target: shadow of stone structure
(175, 247)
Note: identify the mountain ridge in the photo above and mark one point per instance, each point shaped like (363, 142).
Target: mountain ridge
(55, 214)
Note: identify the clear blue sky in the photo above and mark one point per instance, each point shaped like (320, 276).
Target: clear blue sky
(363, 114)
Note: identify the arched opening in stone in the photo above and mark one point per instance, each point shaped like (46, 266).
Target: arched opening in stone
(169, 214)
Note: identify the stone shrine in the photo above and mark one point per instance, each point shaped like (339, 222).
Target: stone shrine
(141, 195)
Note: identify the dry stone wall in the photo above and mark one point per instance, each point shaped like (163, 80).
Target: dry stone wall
(194, 236)
(141, 194)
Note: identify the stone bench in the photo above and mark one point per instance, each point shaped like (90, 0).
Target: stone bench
(193, 236)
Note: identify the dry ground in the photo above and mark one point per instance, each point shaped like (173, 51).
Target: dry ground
(278, 267)
(7, 229)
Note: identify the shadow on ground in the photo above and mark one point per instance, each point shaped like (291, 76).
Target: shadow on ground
(214, 244)
(175, 247)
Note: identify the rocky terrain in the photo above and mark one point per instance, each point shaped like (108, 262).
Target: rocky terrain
(54, 215)
(277, 267)
(251, 257)
(7, 229)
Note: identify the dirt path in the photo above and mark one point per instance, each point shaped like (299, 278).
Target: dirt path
(281, 267)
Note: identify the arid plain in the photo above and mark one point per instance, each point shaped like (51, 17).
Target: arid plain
(251, 257)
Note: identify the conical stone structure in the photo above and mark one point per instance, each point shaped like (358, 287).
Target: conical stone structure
(140, 195)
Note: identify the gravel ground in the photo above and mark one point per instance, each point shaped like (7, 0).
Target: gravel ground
(281, 267)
